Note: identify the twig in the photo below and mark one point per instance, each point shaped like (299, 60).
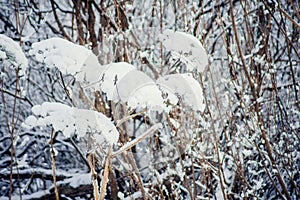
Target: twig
(105, 174)
(53, 166)
(94, 176)
(137, 140)
(18, 97)
(289, 17)
(124, 119)
(60, 26)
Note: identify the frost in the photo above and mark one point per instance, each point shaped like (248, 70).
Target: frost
(60, 53)
(11, 50)
(73, 120)
(186, 87)
(186, 47)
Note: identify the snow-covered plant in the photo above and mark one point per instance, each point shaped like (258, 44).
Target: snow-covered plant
(244, 145)
(186, 48)
(70, 120)
(118, 85)
(12, 55)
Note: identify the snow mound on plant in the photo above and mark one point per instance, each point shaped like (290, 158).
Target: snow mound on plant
(111, 75)
(69, 58)
(12, 51)
(138, 90)
(185, 87)
(187, 48)
(73, 120)
(122, 82)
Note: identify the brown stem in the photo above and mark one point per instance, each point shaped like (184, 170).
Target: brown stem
(77, 5)
(105, 174)
(60, 26)
(91, 28)
(257, 109)
(219, 170)
(53, 166)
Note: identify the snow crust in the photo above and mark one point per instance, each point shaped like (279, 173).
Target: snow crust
(186, 47)
(70, 120)
(11, 50)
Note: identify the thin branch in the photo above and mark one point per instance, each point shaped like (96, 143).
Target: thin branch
(137, 140)
(288, 17)
(105, 174)
(53, 166)
(60, 26)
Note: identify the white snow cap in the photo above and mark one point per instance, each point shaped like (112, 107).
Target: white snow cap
(123, 82)
(111, 75)
(185, 86)
(90, 70)
(70, 120)
(186, 47)
(139, 90)
(12, 50)
(69, 58)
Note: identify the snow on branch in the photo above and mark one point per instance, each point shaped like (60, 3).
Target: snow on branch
(185, 47)
(12, 51)
(73, 120)
(185, 87)
(132, 143)
(122, 82)
(69, 58)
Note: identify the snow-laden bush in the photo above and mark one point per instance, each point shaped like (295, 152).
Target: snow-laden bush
(123, 89)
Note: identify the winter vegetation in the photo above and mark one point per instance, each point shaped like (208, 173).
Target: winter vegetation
(111, 99)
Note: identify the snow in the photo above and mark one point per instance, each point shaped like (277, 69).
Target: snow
(132, 143)
(30, 120)
(175, 123)
(186, 47)
(185, 86)
(122, 82)
(70, 120)
(146, 96)
(81, 179)
(90, 71)
(74, 180)
(136, 195)
(138, 90)
(143, 54)
(13, 52)
(60, 53)
(111, 75)
(2, 55)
